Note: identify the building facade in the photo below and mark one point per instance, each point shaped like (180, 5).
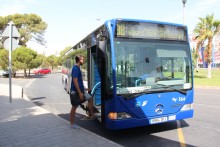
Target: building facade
(215, 51)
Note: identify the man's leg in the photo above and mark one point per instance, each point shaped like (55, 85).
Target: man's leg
(72, 114)
(90, 105)
(89, 98)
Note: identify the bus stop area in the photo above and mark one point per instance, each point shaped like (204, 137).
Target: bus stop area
(22, 123)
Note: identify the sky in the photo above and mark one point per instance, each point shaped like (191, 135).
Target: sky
(69, 21)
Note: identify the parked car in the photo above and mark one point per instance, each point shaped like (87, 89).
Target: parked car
(4, 73)
(42, 71)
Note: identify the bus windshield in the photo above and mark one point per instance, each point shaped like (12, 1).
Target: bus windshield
(152, 65)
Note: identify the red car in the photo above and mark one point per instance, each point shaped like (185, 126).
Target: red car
(42, 71)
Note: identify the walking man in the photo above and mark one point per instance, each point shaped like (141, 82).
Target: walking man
(78, 91)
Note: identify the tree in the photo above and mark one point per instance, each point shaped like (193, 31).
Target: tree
(195, 57)
(30, 26)
(207, 28)
(62, 56)
(36, 62)
(3, 59)
(52, 60)
(25, 58)
(59, 61)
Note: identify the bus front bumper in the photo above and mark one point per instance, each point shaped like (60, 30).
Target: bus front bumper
(138, 122)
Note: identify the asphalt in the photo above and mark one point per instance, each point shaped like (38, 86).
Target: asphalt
(23, 124)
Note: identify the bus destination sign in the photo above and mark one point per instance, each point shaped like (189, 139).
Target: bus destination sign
(145, 30)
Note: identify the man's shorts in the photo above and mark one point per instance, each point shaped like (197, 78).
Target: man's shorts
(75, 100)
(87, 95)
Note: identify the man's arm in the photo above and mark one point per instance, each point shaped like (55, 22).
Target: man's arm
(75, 82)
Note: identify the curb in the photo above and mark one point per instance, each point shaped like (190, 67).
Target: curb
(16, 91)
(207, 87)
(66, 121)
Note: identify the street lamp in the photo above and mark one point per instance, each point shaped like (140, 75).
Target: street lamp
(184, 2)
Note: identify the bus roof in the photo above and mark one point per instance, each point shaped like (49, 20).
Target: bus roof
(115, 20)
(149, 21)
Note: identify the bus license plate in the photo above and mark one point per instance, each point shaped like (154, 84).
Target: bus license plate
(158, 120)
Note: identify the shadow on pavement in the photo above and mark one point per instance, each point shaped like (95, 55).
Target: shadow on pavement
(140, 136)
(24, 124)
(38, 103)
(37, 98)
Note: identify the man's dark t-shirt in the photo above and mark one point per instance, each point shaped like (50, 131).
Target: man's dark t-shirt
(76, 73)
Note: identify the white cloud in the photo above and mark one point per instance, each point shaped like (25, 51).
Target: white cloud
(7, 9)
(15, 6)
(201, 8)
(206, 4)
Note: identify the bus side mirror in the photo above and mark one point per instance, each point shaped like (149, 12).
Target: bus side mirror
(102, 46)
(102, 37)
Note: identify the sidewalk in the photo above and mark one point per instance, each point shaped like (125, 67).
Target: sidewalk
(23, 124)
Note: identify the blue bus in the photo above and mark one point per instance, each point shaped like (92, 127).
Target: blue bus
(139, 72)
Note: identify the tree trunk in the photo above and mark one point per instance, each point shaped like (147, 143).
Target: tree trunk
(13, 73)
(209, 60)
(25, 73)
(197, 65)
(209, 76)
(29, 72)
(199, 45)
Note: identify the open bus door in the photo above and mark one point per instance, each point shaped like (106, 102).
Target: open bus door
(97, 78)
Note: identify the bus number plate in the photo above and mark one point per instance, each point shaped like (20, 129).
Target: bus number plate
(158, 120)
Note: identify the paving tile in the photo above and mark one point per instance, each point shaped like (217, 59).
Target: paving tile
(22, 124)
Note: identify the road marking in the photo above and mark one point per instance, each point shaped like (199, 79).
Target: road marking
(29, 83)
(180, 135)
(26, 86)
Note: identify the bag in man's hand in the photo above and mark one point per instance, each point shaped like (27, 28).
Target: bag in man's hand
(75, 99)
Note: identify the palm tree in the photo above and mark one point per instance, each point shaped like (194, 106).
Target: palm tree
(206, 29)
(199, 44)
(200, 38)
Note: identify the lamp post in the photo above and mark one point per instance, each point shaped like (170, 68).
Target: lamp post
(184, 3)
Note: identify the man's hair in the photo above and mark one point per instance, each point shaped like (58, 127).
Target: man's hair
(78, 57)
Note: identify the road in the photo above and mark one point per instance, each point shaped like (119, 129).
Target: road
(203, 130)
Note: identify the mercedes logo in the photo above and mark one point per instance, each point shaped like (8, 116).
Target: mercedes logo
(159, 109)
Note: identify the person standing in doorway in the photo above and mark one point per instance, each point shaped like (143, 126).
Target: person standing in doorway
(77, 89)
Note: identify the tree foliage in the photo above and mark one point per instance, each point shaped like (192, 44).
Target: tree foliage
(3, 59)
(62, 56)
(30, 26)
(207, 28)
(25, 58)
(52, 60)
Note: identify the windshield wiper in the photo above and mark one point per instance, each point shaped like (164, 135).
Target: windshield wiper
(171, 87)
(134, 95)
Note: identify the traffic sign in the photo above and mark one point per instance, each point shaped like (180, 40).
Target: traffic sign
(15, 32)
(10, 34)
(14, 44)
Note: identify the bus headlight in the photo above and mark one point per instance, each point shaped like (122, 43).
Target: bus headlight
(120, 115)
(123, 115)
(112, 115)
(187, 107)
